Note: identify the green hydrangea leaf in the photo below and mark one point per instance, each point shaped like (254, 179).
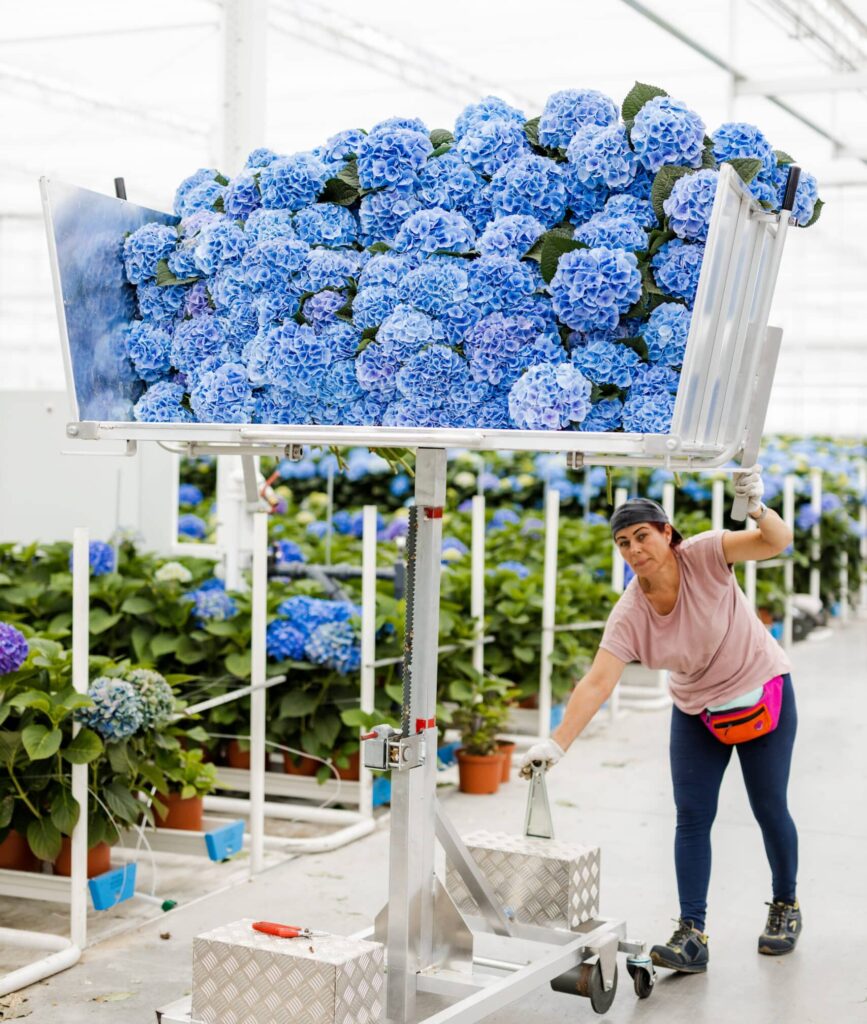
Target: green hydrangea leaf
(637, 96)
(41, 742)
(662, 185)
(44, 838)
(747, 167)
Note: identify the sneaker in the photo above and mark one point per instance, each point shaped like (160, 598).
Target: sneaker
(685, 951)
(783, 929)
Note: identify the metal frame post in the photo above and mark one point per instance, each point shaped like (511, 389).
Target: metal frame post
(549, 609)
(816, 534)
(413, 790)
(717, 506)
(242, 121)
(789, 483)
(368, 643)
(750, 574)
(618, 566)
(80, 682)
(477, 580)
(258, 697)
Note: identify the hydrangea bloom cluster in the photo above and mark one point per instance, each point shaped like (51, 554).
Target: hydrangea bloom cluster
(13, 648)
(189, 494)
(173, 572)
(101, 558)
(117, 711)
(402, 277)
(155, 697)
(211, 604)
(336, 646)
(192, 526)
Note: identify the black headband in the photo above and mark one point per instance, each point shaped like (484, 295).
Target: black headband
(639, 510)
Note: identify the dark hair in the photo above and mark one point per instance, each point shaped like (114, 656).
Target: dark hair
(675, 537)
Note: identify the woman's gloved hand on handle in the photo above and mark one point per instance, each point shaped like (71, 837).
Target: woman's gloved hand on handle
(548, 752)
(748, 484)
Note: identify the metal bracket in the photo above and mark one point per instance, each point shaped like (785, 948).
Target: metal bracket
(294, 452)
(405, 752)
(606, 950)
(85, 430)
(668, 444)
(575, 460)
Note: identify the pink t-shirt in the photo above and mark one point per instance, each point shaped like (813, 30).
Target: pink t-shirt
(712, 642)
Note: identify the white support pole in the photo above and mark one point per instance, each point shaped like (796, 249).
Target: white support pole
(80, 682)
(368, 643)
(668, 499)
(717, 508)
(617, 564)
(844, 586)
(549, 608)
(816, 534)
(789, 482)
(477, 581)
(258, 698)
(862, 522)
(242, 121)
(750, 568)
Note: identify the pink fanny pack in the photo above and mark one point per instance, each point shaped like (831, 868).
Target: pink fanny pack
(742, 724)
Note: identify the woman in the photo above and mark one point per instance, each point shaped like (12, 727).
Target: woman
(685, 612)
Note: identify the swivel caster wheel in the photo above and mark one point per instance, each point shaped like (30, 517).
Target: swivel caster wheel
(643, 975)
(586, 980)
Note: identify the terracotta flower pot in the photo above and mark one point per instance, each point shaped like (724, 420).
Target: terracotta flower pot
(98, 859)
(353, 771)
(183, 813)
(531, 702)
(15, 854)
(236, 757)
(295, 765)
(479, 773)
(506, 748)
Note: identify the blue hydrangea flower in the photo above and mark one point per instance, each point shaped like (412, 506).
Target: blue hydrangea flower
(383, 213)
(676, 269)
(491, 144)
(666, 131)
(455, 545)
(308, 613)
(592, 287)
(229, 288)
(340, 390)
(518, 568)
(155, 697)
(429, 376)
(612, 233)
(501, 347)
(100, 557)
(571, 109)
(736, 140)
(161, 403)
(297, 358)
(189, 494)
(13, 648)
(144, 248)
(764, 190)
(447, 182)
(220, 243)
(606, 362)
(341, 339)
(187, 196)
(604, 417)
(581, 200)
(641, 185)
(327, 224)
(407, 330)
(434, 287)
(805, 197)
(260, 157)
(372, 305)
(211, 604)
(273, 263)
(223, 395)
(512, 235)
(329, 268)
(531, 185)
(689, 206)
(432, 230)
(284, 642)
(665, 333)
(292, 182)
(648, 412)
(287, 551)
(549, 397)
(182, 262)
(320, 309)
(194, 341)
(336, 646)
(491, 108)
(387, 269)
(149, 347)
(192, 526)
(602, 157)
(116, 712)
(160, 303)
(477, 209)
(341, 146)
(390, 156)
(267, 225)
(242, 196)
(499, 283)
(652, 379)
(625, 205)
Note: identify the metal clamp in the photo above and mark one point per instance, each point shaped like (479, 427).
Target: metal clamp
(385, 749)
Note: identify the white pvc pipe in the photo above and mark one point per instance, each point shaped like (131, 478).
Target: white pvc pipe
(65, 956)
(617, 563)
(80, 682)
(258, 698)
(789, 567)
(284, 811)
(668, 499)
(477, 580)
(718, 496)
(325, 844)
(816, 534)
(368, 643)
(549, 608)
(750, 568)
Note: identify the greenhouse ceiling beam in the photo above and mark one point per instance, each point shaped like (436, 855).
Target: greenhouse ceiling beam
(840, 146)
(65, 97)
(102, 33)
(841, 82)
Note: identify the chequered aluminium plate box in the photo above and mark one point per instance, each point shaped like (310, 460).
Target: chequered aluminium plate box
(545, 882)
(241, 976)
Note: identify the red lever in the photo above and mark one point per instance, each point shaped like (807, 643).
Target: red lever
(369, 735)
(282, 931)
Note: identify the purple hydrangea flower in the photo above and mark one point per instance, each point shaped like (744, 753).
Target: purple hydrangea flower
(320, 309)
(13, 648)
(501, 347)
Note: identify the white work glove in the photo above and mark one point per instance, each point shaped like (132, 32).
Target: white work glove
(749, 485)
(548, 752)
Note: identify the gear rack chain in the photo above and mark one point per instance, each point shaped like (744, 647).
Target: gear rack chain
(411, 541)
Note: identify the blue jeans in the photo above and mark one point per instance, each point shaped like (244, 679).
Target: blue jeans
(698, 762)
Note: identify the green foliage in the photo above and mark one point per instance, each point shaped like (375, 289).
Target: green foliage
(482, 712)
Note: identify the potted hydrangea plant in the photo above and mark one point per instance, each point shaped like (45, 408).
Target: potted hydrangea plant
(188, 779)
(480, 717)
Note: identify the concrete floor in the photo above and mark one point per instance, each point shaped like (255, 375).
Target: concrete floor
(613, 789)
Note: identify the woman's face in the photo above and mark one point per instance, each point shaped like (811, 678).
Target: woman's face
(644, 548)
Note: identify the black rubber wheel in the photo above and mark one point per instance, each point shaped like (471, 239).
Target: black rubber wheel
(642, 981)
(601, 1000)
